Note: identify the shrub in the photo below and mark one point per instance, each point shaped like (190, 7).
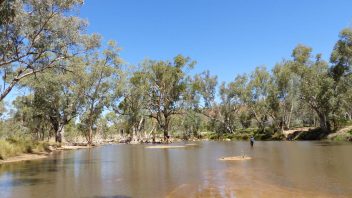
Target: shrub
(15, 146)
(350, 132)
(8, 150)
(42, 147)
(214, 136)
(242, 136)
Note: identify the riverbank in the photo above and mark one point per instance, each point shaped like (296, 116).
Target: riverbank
(297, 134)
(39, 155)
(15, 150)
(310, 133)
(12, 147)
(25, 157)
(24, 150)
(344, 134)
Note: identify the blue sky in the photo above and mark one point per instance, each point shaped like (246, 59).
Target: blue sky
(227, 37)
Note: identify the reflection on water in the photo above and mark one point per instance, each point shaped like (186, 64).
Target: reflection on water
(294, 169)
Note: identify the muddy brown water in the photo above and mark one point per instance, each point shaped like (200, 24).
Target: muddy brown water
(277, 169)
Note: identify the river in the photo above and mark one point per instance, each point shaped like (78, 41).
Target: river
(277, 169)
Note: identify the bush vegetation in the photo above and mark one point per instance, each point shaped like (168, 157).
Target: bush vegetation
(15, 146)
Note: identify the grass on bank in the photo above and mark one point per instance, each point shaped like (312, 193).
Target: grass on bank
(11, 147)
(344, 136)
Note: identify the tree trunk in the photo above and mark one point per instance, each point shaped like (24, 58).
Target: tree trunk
(140, 125)
(60, 132)
(349, 116)
(153, 136)
(90, 135)
(9, 88)
(166, 129)
(42, 137)
(134, 136)
(90, 129)
(166, 134)
(324, 123)
(63, 133)
(290, 117)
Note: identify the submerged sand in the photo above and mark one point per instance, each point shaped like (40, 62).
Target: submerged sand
(73, 147)
(191, 144)
(24, 157)
(235, 158)
(164, 147)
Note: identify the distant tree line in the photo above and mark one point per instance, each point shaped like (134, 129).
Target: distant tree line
(76, 87)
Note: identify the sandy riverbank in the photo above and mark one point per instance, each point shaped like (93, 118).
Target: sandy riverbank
(25, 157)
(40, 155)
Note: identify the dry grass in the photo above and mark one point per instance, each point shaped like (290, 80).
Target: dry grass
(15, 146)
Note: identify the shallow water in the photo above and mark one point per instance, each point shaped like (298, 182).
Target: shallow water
(277, 169)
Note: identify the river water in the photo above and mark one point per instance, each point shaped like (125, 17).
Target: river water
(277, 169)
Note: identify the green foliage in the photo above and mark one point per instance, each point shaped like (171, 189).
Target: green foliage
(341, 57)
(38, 35)
(347, 136)
(192, 123)
(102, 79)
(8, 150)
(212, 136)
(350, 132)
(165, 88)
(76, 88)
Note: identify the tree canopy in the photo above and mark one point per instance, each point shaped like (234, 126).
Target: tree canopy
(77, 85)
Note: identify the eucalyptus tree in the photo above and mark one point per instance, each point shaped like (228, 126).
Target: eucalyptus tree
(341, 71)
(199, 103)
(257, 95)
(102, 79)
(36, 35)
(2, 109)
(59, 94)
(6, 11)
(283, 95)
(133, 105)
(316, 85)
(341, 57)
(223, 114)
(191, 123)
(204, 90)
(239, 89)
(166, 86)
(27, 119)
(229, 107)
(114, 122)
(202, 94)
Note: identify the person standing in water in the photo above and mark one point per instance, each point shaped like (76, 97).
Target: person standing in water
(251, 140)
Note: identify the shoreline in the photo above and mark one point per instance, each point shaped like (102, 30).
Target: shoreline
(40, 155)
(25, 157)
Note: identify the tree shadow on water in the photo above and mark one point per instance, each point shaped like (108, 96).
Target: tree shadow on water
(21, 182)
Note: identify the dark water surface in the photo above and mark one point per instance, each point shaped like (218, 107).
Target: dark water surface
(278, 169)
